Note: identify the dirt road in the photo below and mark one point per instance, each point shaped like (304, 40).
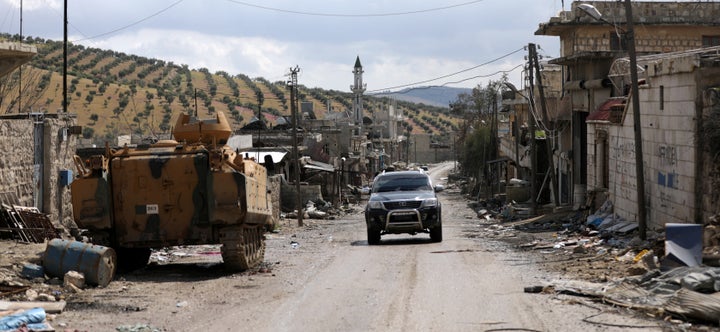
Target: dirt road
(324, 277)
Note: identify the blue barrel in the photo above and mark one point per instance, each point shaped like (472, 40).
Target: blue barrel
(97, 263)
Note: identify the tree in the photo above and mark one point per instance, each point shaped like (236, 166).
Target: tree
(477, 135)
(88, 132)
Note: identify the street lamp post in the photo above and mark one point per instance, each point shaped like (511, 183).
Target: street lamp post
(639, 166)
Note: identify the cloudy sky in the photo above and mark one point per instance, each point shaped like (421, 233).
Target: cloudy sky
(458, 43)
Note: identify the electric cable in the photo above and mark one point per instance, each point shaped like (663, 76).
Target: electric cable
(448, 75)
(134, 23)
(289, 11)
(454, 82)
(11, 14)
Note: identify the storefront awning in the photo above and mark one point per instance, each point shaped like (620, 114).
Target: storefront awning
(602, 113)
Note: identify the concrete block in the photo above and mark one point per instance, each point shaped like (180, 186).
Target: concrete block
(74, 278)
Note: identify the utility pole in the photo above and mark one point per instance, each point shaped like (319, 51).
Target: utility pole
(635, 94)
(65, 56)
(260, 100)
(293, 109)
(546, 121)
(196, 106)
(639, 167)
(533, 152)
(20, 68)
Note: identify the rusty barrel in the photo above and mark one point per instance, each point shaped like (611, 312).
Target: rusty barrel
(96, 262)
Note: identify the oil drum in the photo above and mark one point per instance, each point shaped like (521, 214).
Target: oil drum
(96, 262)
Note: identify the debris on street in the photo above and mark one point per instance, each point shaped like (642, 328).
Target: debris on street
(31, 319)
(665, 274)
(685, 292)
(25, 224)
(96, 263)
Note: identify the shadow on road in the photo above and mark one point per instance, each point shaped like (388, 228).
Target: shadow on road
(396, 241)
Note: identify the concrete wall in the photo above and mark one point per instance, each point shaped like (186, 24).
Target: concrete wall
(288, 195)
(422, 153)
(17, 166)
(709, 181)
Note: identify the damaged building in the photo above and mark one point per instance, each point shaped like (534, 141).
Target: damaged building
(593, 156)
(38, 152)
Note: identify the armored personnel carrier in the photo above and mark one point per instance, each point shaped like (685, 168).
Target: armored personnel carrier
(188, 191)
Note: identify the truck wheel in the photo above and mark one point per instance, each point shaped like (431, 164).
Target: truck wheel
(436, 233)
(130, 259)
(373, 236)
(243, 247)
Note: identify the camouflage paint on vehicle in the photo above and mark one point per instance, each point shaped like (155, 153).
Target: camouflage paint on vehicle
(195, 191)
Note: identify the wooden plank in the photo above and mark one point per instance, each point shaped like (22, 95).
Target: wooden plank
(50, 307)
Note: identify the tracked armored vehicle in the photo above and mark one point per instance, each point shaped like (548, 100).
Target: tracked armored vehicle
(189, 191)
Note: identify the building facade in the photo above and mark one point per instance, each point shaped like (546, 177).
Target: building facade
(602, 159)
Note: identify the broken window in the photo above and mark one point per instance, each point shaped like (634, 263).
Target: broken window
(618, 42)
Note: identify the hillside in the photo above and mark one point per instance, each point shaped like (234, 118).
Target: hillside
(438, 96)
(114, 93)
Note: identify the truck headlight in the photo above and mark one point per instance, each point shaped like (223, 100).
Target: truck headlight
(430, 202)
(376, 205)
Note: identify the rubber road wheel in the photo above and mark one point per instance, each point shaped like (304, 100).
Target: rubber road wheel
(373, 236)
(436, 233)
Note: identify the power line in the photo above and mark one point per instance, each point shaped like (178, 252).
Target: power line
(449, 75)
(456, 82)
(134, 23)
(289, 11)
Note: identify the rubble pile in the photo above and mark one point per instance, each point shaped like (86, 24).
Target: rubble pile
(607, 261)
(320, 209)
(687, 293)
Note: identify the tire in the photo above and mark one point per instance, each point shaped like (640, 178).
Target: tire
(130, 259)
(373, 236)
(436, 233)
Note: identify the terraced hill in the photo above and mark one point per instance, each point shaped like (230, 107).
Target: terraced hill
(114, 93)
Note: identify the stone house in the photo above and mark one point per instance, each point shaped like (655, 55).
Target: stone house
(38, 150)
(602, 157)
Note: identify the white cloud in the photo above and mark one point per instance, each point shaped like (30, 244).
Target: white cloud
(253, 56)
(394, 51)
(31, 5)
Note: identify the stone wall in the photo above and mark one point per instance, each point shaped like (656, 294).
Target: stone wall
(34, 185)
(597, 39)
(289, 195)
(659, 26)
(273, 184)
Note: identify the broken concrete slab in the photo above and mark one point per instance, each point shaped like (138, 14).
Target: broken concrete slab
(50, 307)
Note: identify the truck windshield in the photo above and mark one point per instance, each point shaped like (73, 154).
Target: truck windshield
(402, 184)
